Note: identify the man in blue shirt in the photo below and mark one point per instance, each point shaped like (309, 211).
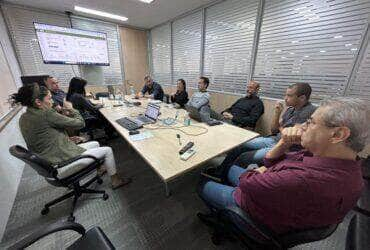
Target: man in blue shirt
(152, 88)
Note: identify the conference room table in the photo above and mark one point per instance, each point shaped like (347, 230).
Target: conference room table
(158, 144)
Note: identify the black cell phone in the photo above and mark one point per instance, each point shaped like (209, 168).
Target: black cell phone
(134, 132)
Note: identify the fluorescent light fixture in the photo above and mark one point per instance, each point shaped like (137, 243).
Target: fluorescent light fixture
(340, 36)
(100, 13)
(322, 51)
(146, 1)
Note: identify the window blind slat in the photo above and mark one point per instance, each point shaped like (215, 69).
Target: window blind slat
(309, 41)
(161, 54)
(361, 83)
(230, 27)
(186, 48)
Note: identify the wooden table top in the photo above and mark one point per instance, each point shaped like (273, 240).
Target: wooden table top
(161, 151)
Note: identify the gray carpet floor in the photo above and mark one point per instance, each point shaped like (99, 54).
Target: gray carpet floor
(138, 216)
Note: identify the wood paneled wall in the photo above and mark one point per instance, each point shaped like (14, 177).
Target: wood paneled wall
(135, 56)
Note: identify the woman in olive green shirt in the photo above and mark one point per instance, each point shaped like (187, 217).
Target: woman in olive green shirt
(43, 129)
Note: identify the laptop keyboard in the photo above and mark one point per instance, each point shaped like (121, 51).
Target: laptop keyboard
(144, 119)
(128, 124)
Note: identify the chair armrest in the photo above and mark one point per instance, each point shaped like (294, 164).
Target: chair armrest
(259, 228)
(55, 227)
(69, 161)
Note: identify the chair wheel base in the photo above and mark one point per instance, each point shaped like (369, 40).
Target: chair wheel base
(105, 196)
(45, 211)
(71, 218)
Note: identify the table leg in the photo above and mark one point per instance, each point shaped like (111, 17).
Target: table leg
(168, 192)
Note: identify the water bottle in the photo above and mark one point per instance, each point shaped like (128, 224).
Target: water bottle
(132, 90)
(187, 120)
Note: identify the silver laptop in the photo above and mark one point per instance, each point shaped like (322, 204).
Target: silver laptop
(150, 116)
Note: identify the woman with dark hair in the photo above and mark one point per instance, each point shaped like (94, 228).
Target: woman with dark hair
(89, 111)
(44, 131)
(77, 96)
(181, 96)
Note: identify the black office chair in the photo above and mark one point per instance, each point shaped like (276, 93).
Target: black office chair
(359, 227)
(234, 223)
(93, 239)
(50, 173)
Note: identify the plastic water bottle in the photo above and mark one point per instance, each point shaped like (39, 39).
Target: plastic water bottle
(187, 120)
(132, 90)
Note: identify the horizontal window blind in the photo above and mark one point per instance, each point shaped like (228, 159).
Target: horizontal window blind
(112, 74)
(229, 35)
(186, 48)
(20, 23)
(309, 41)
(360, 86)
(161, 54)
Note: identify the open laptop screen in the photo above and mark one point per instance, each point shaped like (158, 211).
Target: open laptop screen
(152, 111)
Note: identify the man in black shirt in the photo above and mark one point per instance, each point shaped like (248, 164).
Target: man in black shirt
(246, 111)
(152, 88)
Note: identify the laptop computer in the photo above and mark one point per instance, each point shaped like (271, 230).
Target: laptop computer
(150, 116)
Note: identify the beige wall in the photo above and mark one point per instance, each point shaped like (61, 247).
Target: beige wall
(135, 57)
(7, 83)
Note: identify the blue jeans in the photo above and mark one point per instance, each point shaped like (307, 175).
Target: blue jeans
(218, 196)
(254, 151)
(250, 152)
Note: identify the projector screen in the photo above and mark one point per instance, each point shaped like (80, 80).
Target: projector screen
(61, 45)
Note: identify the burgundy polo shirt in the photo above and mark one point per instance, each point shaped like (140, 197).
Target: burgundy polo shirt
(300, 191)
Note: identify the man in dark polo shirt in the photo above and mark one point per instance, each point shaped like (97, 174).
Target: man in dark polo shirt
(246, 111)
(154, 90)
(311, 188)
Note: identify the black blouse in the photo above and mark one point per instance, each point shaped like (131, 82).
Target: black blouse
(180, 98)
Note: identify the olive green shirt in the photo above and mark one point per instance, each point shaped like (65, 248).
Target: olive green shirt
(45, 135)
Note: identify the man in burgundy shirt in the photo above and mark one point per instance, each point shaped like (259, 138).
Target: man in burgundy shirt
(312, 188)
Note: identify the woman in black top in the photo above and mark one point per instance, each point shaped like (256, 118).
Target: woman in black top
(181, 96)
(77, 96)
(89, 111)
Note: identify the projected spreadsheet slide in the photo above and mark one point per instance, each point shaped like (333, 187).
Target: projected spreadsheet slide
(72, 46)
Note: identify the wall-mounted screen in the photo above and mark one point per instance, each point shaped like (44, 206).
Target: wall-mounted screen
(60, 45)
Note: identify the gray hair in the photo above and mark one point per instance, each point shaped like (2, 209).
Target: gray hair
(352, 113)
(147, 77)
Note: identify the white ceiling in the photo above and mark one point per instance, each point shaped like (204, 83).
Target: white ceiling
(139, 14)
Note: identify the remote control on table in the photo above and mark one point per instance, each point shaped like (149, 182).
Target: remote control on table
(188, 154)
(186, 147)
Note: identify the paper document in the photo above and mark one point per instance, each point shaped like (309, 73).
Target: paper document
(141, 136)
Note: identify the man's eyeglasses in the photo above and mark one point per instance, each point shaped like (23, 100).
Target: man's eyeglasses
(311, 121)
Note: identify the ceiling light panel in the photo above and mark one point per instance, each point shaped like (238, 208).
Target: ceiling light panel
(100, 13)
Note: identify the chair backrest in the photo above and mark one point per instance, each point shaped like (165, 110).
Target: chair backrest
(249, 229)
(291, 239)
(43, 167)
